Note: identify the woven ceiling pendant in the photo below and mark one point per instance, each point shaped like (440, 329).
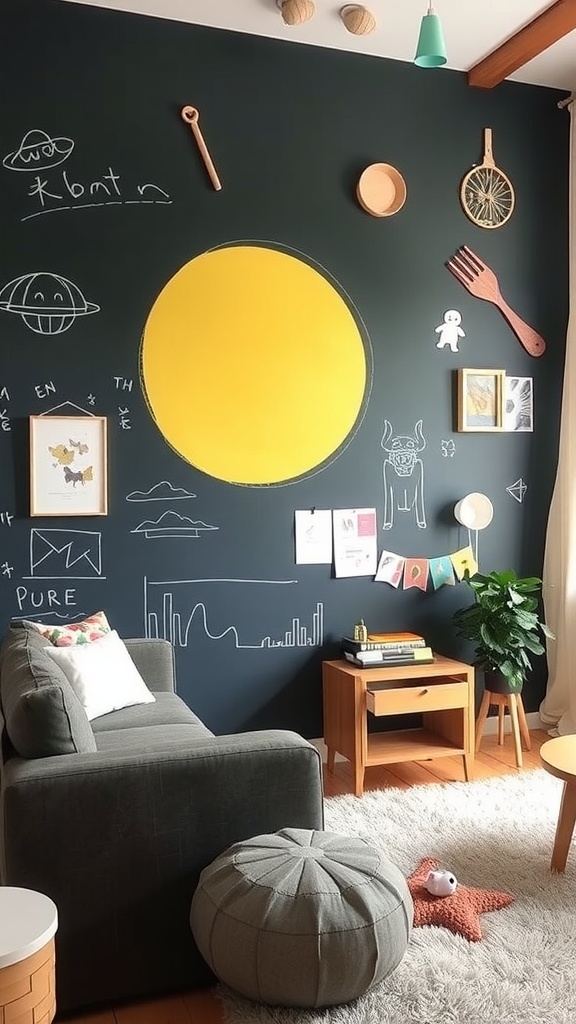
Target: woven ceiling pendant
(358, 19)
(296, 12)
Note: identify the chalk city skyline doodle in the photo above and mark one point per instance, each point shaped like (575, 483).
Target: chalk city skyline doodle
(213, 606)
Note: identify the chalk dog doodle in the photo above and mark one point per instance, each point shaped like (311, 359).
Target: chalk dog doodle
(403, 474)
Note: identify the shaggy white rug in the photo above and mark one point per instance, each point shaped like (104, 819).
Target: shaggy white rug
(496, 833)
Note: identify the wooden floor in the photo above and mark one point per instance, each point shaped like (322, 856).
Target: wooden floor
(203, 1007)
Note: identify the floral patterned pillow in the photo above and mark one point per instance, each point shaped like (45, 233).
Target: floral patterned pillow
(92, 628)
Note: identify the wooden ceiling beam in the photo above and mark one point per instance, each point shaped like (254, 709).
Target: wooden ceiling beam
(546, 29)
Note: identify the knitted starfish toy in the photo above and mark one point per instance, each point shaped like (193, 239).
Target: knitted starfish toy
(460, 912)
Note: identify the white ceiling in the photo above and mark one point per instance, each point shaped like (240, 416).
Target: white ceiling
(472, 28)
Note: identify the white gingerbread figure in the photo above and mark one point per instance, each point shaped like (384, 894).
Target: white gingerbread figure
(450, 331)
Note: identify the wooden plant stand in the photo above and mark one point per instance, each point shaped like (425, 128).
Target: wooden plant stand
(520, 731)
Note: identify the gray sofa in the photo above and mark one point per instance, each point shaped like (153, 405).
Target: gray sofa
(114, 819)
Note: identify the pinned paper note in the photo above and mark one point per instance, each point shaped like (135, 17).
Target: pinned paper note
(313, 536)
(355, 546)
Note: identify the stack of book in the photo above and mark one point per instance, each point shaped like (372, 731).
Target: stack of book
(387, 649)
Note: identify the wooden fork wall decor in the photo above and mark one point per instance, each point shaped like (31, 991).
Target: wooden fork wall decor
(482, 282)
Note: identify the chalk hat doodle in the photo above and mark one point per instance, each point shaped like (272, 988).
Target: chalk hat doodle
(47, 303)
(38, 152)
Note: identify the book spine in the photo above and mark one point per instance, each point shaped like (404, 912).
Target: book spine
(384, 645)
(390, 662)
(382, 657)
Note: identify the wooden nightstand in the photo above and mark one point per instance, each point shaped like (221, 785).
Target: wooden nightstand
(443, 692)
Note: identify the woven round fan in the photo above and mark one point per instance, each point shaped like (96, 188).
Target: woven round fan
(486, 193)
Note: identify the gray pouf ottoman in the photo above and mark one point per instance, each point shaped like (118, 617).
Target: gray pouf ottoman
(302, 918)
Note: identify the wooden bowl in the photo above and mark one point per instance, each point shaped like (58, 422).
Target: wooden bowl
(381, 190)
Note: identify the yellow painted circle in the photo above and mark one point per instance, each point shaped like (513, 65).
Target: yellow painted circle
(253, 365)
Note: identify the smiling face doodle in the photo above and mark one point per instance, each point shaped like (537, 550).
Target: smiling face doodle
(47, 303)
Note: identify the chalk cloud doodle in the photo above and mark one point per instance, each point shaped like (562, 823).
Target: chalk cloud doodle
(162, 491)
(403, 474)
(171, 525)
(38, 152)
(47, 303)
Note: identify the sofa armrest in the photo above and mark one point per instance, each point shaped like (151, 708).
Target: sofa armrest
(154, 659)
(118, 842)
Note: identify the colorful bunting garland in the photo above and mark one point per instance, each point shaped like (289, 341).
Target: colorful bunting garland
(417, 572)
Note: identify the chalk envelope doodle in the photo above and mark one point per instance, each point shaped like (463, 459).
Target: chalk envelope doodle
(38, 152)
(65, 554)
(47, 303)
(403, 474)
(171, 525)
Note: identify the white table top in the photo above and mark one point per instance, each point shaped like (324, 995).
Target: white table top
(28, 920)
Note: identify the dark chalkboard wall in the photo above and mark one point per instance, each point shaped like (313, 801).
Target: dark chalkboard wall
(290, 128)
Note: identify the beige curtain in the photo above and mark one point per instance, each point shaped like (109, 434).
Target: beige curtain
(558, 709)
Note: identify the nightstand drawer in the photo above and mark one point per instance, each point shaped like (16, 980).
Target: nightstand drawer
(422, 697)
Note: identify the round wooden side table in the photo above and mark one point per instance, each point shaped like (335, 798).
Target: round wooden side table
(28, 923)
(559, 758)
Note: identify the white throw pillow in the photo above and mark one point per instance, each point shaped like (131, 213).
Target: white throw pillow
(102, 674)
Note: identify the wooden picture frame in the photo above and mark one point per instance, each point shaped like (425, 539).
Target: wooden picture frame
(68, 466)
(481, 400)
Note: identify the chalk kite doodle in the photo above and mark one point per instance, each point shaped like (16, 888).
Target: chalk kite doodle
(450, 331)
(517, 490)
(47, 303)
(403, 474)
(38, 152)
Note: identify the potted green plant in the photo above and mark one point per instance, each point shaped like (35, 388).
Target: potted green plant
(504, 624)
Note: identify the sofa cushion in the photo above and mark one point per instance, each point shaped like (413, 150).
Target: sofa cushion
(103, 675)
(169, 709)
(71, 633)
(42, 713)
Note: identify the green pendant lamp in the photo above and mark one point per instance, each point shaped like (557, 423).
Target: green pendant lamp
(431, 49)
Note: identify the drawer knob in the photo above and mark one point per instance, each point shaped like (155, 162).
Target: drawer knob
(423, 692)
